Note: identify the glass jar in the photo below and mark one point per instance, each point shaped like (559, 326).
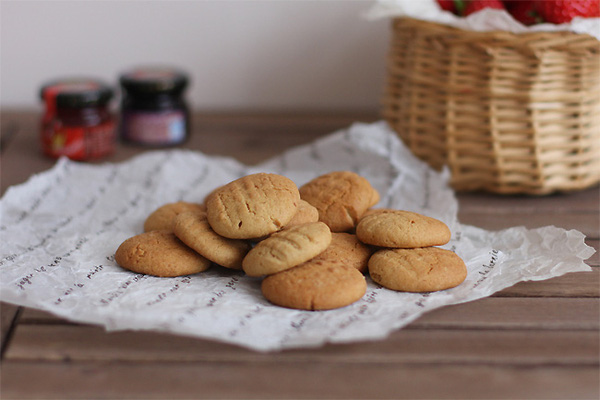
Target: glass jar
(77, 122)
(153, 111)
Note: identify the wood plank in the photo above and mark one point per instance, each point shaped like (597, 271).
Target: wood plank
(587, 200)
(502, 312)
(25, 157)
(519, 347)
(8, 131)
(577, 284)
(254, 137)
(9, 314)
(516, 313)
(35, 316)
(248, 380)
(586, 222)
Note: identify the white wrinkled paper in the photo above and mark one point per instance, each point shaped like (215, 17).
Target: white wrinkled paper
(482, 21)
(61, 228)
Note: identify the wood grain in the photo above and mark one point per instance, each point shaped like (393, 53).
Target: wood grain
(487, 313)
(416, 346)
(585, 201)
(517, 313)
(296, 380)
(576, 284)
(587, 223)
(534, 340)
(9, 314)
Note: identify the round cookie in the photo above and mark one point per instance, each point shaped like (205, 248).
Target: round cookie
(346, 248)
(315, 285)
(341, 197)
(402, 229)
(159, 253)
(193, 229)
(162, 218)
(286, 249)
(252, 206)
(417, 270)
(371, 211)
(304, 214)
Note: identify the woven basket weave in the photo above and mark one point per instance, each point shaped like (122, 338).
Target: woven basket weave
(508, 113)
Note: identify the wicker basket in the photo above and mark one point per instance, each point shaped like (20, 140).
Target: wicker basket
(508, 113)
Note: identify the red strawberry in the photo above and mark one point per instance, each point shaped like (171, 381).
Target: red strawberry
(447, 5)
(562, 11)
(524, 11)
(477, 5)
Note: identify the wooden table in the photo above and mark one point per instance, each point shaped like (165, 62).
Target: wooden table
(533, 340)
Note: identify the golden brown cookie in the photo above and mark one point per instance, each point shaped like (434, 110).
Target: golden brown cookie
(371, 211)
(162, 218)
(341, 197)
(417, 270)
(346, 248)
(304, 214)
(315, 285)
(402, 229)
(193, 229)
(286, 249)
(253, 206)
(159, 253)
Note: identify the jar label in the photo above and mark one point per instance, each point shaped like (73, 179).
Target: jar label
(78, 142)
(163, 128)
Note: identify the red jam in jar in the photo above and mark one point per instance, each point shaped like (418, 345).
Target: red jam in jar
(153, 111)
(77, 123)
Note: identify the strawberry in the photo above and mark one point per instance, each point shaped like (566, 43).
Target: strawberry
(524, 11)
(477, 5)
(563, 11)
(447, 5)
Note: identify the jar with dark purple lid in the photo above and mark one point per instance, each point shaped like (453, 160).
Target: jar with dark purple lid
(153, 110)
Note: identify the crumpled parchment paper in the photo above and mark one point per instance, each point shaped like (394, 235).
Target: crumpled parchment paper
(60, 230)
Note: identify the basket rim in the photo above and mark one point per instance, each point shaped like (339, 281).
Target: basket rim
(496, 35)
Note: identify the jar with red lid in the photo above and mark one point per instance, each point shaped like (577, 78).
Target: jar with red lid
(153, 110)
(77, 122)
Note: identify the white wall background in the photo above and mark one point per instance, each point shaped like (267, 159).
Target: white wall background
(241, 55)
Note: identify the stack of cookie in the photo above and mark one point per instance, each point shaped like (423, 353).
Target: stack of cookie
(300, 241)
(407, 260)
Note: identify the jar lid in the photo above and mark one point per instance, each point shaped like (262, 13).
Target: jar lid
(154, 80)
(77, 93)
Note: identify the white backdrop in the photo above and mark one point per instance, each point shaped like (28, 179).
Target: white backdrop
(241, 55)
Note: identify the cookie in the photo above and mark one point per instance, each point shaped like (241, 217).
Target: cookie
(402, 229)
(252, 206)
(417, 270)
(162, 218)
(287, 248)
(193, 229)
(304, 214)
(341, 197)
(315, 285)
(159, 253)
(346, 248)
(371, 211)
